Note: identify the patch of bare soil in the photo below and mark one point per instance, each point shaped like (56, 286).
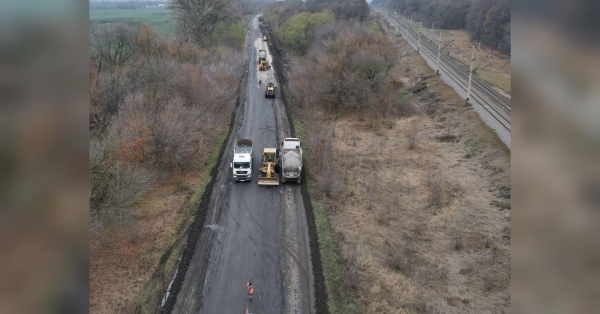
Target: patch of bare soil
(425, 229)
(125, 252)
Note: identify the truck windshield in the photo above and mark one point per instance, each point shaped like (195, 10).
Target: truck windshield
(241, 165)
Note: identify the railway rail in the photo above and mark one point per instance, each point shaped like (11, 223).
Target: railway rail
(498, 107)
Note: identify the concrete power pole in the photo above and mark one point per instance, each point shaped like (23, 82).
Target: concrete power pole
(419, 41)
(438, 57)
(477, 56)
(470, 74)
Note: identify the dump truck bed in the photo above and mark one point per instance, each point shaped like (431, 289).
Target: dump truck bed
(243, 146)
(291, 160)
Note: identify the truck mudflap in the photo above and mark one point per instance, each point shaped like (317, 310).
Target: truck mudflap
(268, 181)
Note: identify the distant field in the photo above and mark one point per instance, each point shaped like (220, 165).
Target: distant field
(159, 18)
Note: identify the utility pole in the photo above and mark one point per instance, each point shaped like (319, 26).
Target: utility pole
(448, 133)
(438, 58)
(477, 57)
(478, 48)
(419, 41)
(449, 111)
(470, 74)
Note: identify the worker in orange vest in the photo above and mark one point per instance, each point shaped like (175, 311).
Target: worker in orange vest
(250, 289)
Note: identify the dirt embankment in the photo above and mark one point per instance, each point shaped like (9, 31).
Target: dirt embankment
(421, 212)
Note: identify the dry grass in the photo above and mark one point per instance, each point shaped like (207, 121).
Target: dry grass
(432, 217)
(123, 255)
(421, 230)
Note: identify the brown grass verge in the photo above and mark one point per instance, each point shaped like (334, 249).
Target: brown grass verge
(427, 229)
(125, 253)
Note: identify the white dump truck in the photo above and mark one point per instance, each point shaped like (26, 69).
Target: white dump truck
(291, 160)
(243, 153)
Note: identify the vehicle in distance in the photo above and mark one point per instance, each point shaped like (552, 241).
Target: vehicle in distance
(291, 160)
(263, 65)
(243, 153)
(270, 92)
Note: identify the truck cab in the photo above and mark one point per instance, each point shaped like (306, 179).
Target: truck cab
(242, 167)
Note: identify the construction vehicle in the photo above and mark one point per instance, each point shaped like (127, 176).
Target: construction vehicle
(243, 153)
(270, 92)
(268, 169)
(263, 65)
(291, 160)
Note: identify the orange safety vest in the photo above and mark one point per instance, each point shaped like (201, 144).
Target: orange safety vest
(251, 291)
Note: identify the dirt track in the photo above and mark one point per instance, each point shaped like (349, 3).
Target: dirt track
(250, 232)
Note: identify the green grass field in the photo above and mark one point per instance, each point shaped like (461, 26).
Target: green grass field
(159, 18)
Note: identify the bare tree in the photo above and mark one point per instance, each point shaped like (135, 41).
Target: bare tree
(113, 44)
(357, 10)
(198, 18)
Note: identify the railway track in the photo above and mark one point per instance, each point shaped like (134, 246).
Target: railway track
(498, 107)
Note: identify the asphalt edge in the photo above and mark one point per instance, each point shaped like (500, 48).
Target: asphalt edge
(320, 291)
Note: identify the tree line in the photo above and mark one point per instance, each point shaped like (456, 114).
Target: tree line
(156, 107)
(104, 5)
(340, 63)
(158, 104)
(485, 20)
(340, 59)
